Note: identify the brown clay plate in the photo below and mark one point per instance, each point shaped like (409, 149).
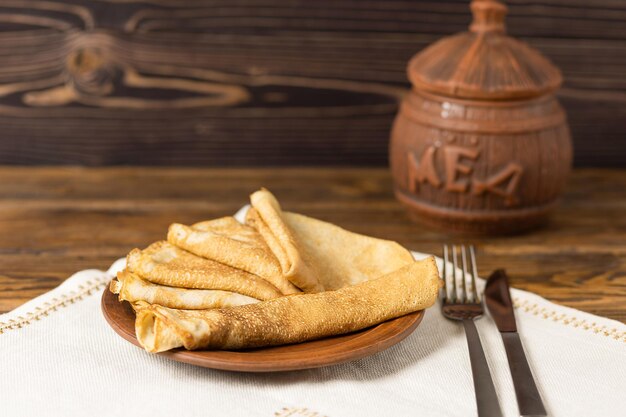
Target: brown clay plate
(314, 354)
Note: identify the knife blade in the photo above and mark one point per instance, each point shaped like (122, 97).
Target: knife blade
(498, 301)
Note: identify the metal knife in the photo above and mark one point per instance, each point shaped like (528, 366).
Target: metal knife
(498, 301)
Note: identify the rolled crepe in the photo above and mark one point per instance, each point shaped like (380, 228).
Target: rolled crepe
(294, 318)
(333, 257)
(266, 216)
(229, 242)
(165, 264)
(132, 288)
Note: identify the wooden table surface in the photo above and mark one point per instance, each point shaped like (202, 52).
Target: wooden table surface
(56, 221)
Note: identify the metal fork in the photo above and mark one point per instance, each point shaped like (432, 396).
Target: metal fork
(466, 309)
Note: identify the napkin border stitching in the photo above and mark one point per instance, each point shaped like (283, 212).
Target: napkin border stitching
(54, 304)
(549, 314)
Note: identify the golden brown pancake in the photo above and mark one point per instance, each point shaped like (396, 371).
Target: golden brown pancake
(315, 254)
(292, 319)
(266, 216)
(341, 258)
(229, 242)
(132, 288)
(165, 264)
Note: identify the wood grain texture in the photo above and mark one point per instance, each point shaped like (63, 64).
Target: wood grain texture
(306, 355)
(56, 221)
(219, 82)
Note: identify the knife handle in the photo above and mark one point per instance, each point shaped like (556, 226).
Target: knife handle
(486, 397)
(528, 397)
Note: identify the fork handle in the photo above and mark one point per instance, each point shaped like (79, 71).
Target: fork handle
(486, 398)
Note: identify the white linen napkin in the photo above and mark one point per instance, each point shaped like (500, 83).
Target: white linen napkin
(59, 357)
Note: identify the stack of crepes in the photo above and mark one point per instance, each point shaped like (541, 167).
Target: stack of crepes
(279, 278)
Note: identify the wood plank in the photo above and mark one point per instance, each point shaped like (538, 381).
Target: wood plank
(223, 83)
(56, 221)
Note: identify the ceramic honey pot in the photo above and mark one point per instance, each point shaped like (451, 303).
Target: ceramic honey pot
(481, 144)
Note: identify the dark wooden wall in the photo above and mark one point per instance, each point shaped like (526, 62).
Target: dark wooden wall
(223, 82)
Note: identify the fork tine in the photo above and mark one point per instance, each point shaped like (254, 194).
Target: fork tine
(445, 272)
(454, 267)
(474, 273)
(464, 275)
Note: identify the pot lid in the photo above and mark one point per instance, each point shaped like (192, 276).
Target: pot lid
(483, 63)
